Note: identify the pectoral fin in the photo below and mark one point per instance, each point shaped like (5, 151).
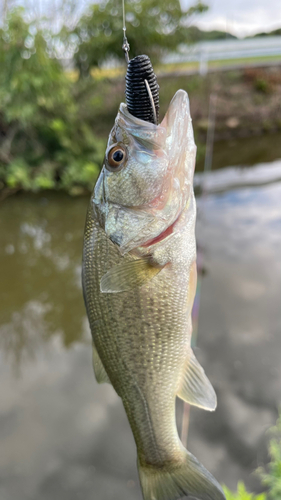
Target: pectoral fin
(100, 373)
(196, 389)
(128, 275)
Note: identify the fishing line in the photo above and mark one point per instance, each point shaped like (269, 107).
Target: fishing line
(142, 89)
(125, 46)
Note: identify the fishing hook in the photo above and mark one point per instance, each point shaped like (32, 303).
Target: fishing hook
(151, 101)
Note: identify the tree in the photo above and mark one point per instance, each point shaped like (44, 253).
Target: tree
(44, 143)
(153, 27)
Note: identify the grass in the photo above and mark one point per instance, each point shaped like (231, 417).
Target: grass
(119, 72)
(194, 66)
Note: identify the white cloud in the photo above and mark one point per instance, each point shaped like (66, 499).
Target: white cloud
(243, 17)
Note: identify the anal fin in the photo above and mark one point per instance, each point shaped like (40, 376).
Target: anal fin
(196, 389)
(99, 370)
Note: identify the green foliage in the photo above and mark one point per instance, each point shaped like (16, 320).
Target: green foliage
(261, 85)
(152, 28)
(271, 478)
(268, 33)
(194, 34)
(242, 494)
(44, 140)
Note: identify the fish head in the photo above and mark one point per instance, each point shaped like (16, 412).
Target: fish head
(147, 175)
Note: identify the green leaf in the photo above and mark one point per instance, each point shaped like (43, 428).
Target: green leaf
(19, 174)
(271, 476)
(242, 494)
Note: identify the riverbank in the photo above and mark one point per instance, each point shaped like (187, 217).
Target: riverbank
(247, 126)
(248, 100)
(247, 105)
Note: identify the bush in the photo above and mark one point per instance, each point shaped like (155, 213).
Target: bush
(262, 85)
(44, 141)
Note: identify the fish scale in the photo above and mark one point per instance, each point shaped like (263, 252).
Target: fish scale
(126, 343)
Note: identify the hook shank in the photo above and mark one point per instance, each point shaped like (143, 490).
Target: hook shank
(151, 101)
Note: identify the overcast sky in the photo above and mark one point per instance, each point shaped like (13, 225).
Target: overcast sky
(241, 17)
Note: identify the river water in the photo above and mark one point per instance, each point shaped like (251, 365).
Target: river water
(64, 437)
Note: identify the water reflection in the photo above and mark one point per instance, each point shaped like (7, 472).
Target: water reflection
(62, 435)
(240, 322)
(22, 336)
(41, 242)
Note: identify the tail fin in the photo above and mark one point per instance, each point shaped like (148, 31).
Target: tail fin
(189, 478)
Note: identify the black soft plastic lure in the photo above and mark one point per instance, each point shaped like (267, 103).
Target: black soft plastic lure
(138, 100)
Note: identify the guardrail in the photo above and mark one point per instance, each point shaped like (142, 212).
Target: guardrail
(219, 50)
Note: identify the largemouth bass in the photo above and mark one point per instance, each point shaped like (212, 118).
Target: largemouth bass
(139, 282)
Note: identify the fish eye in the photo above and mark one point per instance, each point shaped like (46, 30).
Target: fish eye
(116, 158)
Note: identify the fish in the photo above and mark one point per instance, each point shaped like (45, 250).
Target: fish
(139, 283)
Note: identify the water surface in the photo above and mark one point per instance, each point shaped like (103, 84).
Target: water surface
(64, 437)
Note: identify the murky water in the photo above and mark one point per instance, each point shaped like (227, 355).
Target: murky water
(245, 151)
(64, 437)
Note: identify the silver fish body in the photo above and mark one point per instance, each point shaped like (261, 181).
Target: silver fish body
(139, 282)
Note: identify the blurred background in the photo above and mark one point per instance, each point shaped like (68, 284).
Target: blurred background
(61, 82)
